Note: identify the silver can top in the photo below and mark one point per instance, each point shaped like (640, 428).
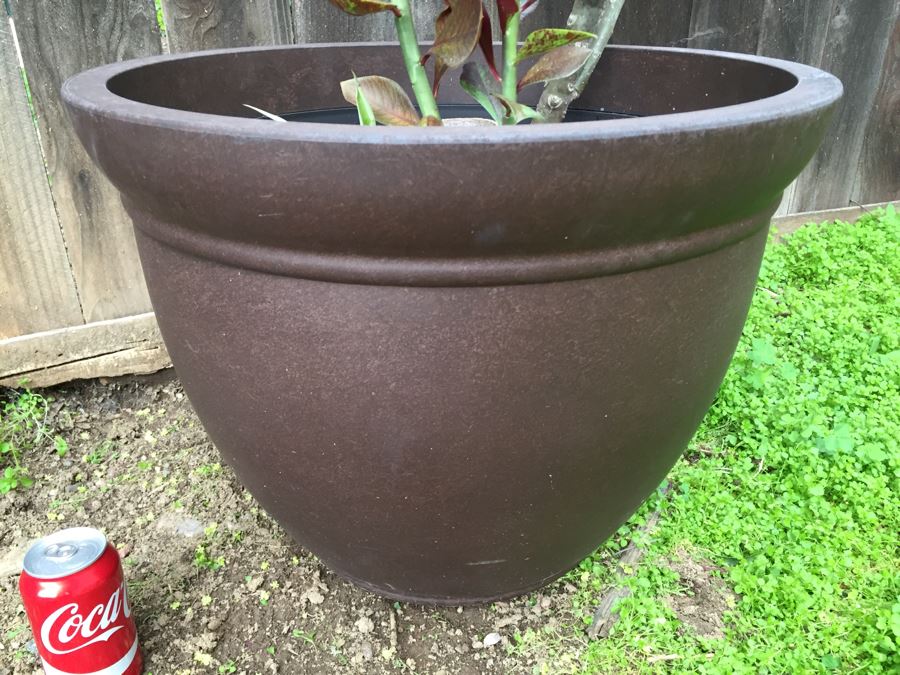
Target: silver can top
(63, 553)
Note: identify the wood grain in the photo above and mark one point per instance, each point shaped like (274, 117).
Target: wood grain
(103, 349)
(854, 48)
(794, 30)
(59, 39)
(37, 287)
(320, 21)
(650, 22)
(213, 24)
(733, 25)
(878, 169)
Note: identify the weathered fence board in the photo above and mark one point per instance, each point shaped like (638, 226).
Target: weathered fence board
(59, 39)
(67, 254)
(37, 288)
(733, 25)
(858, 34)
(878, 170)
(212, 24)
(322, 22)
(794, 30)
(100, 349)
(649, 22)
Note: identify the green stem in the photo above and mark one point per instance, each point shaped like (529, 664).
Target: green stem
(409, 45)
(510, 50)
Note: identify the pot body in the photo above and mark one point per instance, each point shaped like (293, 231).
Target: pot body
(450, 362)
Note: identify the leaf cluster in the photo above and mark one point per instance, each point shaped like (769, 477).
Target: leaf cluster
(23, 428)
(463, 28)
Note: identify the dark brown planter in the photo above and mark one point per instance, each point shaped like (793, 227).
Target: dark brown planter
(450, 361)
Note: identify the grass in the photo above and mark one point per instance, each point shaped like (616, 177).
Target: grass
(23, 429)
(789, 488)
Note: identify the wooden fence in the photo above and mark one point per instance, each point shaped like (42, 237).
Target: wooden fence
(72, 300)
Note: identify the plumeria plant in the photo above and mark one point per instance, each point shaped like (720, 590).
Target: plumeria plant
(463, 28)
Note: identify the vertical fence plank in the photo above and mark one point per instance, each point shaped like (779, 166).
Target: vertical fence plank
(37, 287)
(649, 22)
(733, 25)
(878, 169)
(794, 30)
(59, 39)
(213, 24)
(320, 21)
(857, 36)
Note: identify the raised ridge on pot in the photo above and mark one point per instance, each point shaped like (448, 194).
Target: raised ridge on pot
(613, 189)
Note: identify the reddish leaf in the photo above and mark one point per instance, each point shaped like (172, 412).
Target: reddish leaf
(486, 42)
(505, 9)
(547, 39)
(481, 85)
(439, 69)
(456, 31)
(430, 121)
(388, 101)
(456, 34)
(360, 7)
(518, 111)
(561, 62)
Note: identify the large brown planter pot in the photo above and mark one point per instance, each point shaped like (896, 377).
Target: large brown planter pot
(450, 361)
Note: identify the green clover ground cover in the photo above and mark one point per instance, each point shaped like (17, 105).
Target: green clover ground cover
(790, 487)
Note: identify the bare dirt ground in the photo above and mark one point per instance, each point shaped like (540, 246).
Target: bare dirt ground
(215, 584)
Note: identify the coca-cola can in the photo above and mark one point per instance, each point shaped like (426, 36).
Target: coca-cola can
(75, 597)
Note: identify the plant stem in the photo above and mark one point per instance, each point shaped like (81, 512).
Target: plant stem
(599, 17)
(409, 45)
(510, 49)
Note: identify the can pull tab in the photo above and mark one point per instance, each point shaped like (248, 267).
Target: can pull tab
(60, 551)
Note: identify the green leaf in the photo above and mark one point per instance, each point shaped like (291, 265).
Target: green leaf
(61, 446)
(547, 39)
(831, 662)
(363, 108)
(518, 111)
(561, 62)
(478, 83)
(389, 103)
(763, 352)
(361, 7)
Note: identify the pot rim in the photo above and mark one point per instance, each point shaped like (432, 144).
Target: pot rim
(89, 91)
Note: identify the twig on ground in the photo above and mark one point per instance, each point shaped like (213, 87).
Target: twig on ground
(604, 618)
(393, 619)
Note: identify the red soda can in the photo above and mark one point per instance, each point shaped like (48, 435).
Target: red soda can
(75, 597)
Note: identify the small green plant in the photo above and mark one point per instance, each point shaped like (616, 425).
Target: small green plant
(100, 453)
(202, 557)
(23, 428)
